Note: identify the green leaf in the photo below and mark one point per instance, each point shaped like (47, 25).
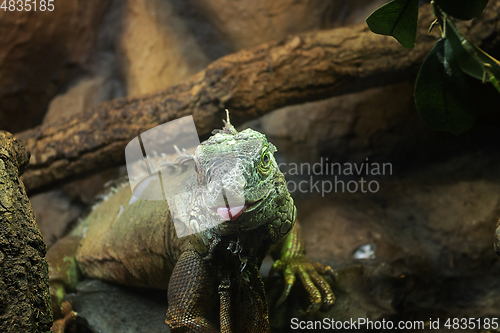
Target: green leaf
(463, 9)
(397, 18)
(471, 59)
(442, 93)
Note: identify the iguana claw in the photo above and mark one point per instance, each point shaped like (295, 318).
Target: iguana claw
(319, 291)
(284, 295)
(70, 321)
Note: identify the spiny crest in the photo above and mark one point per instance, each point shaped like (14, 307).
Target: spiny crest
(228, 134)
(228, 127)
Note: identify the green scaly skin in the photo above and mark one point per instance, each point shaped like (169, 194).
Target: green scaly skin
(136, 244)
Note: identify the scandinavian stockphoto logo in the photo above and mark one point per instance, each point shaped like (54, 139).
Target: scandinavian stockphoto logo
(349, 177)
(161, 166)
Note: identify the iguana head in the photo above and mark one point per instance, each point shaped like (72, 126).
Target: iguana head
(242, 184)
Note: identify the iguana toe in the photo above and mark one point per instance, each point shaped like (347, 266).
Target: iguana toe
(319, 292)
(68, 319)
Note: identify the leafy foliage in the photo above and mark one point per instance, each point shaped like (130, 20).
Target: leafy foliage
(472, 60)
(443, 93)
(463, 9)
(397, 18)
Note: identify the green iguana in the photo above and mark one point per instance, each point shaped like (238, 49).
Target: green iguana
(212, 277)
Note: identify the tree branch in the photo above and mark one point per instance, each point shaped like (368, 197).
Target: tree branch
(250, 83)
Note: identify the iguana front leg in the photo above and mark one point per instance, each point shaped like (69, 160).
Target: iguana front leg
(290, 258)
(204, 292)
(243, 301)
(192, 294)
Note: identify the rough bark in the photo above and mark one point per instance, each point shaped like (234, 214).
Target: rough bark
(250, 83)
(24, 282)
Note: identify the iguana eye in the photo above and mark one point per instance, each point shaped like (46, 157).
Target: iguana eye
(265, 161)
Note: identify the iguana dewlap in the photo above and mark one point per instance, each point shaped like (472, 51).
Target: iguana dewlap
(212, 277)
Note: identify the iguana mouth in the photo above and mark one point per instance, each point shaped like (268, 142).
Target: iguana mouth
(249, 206)
(231, 213)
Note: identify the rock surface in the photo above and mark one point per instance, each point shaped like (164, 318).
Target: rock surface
(55, 214)
(243, 24)
(156, 47)
(58, 211)
(86, 93)
(39, 53)
(183, 37)
(435, 229)
(381, 121)
(117, 309)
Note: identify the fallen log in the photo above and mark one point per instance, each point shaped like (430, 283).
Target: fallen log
(250, 83)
